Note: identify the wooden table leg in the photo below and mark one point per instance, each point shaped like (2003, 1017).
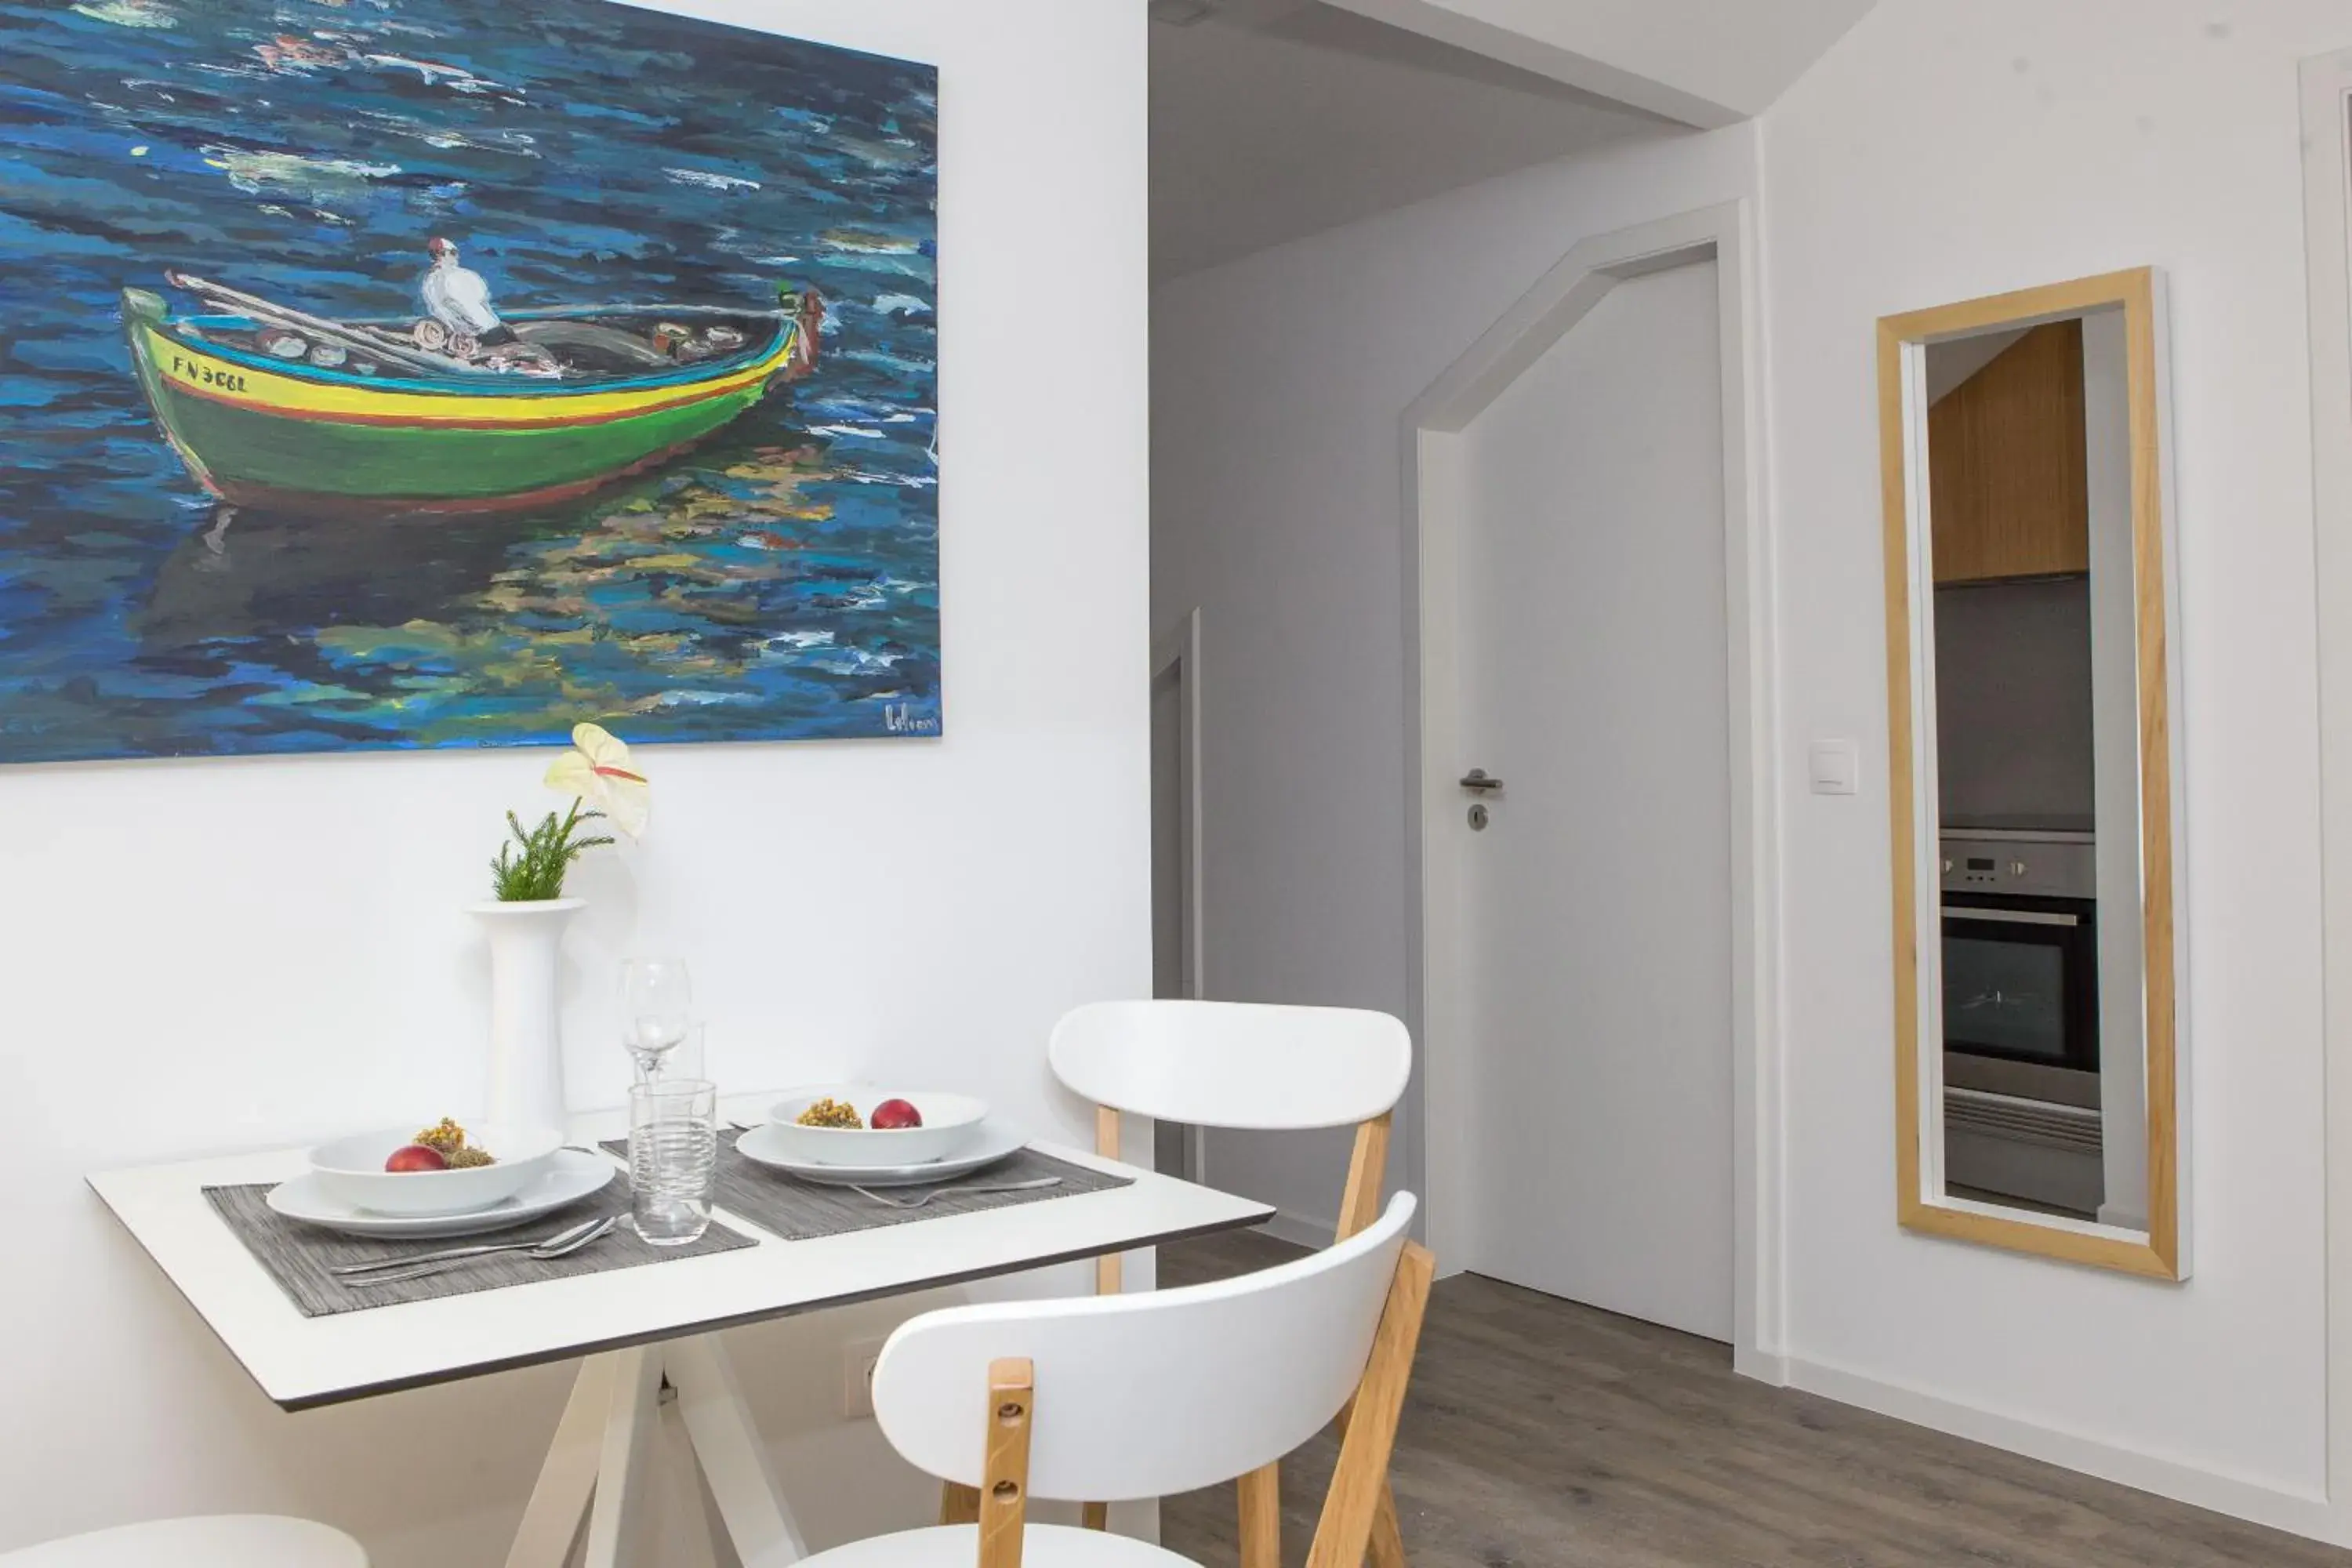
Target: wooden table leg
(567, 1477)
(959, 1504)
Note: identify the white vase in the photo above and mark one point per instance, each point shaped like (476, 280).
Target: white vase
(525, 1085)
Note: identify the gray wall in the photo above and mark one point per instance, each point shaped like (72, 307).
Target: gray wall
(2013, 699)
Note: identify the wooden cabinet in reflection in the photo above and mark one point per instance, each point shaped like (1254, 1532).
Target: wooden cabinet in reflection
(2006, 471)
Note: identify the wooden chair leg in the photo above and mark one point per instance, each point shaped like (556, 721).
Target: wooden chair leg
(1261, 1509)
(1388, 1540)
(1004, 1484)
(1368, 1164)
(1359, 1204)
(1097, 1516)
(1345, 1533)
(959, 1504)
(1109, 1268)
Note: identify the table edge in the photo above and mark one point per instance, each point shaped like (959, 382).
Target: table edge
(1258, 1215)
(742, 1320)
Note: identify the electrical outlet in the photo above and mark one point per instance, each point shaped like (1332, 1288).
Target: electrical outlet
(858, 1359)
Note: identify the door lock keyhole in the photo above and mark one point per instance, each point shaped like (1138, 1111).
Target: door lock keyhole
(1479, 784)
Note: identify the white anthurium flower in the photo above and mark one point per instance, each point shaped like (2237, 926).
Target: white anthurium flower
(598, 770)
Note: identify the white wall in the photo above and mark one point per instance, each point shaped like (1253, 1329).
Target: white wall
(220, 954)
(1278, 386)
(1936, 153)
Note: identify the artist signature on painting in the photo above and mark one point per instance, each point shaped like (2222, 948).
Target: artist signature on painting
(902, 720)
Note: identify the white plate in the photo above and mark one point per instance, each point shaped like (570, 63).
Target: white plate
(570, 1176)
(993, 1141)
(351, 1172)
(952, 1123)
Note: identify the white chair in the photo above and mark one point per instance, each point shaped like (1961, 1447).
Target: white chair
(223, 1541)
(1254, 1068)
(1140, 1396)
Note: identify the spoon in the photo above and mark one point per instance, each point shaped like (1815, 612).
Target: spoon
(478, 1249)
(561, 1245)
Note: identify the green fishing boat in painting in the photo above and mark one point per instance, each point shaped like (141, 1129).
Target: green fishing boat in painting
(273, 408)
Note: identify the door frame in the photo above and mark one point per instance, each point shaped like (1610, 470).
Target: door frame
(1177, 651)
(1432, 430)
(2327, 228)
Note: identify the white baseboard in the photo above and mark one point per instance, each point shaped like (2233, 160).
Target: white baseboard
(2299, 1512)
(1304, 1230)
(2304, 1513)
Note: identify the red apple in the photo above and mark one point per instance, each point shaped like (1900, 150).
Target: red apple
(417, 1157)
(894, 1116)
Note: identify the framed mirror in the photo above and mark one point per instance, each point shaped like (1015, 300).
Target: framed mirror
(2034, 777)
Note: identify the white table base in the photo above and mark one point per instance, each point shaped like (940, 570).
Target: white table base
(603, 1463)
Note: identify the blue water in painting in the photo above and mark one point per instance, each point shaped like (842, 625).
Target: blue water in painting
(780, 580)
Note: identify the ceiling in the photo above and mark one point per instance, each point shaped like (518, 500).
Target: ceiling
(1272, 119)
(1703, 63)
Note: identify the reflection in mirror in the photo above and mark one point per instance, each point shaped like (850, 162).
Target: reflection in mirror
(2034, 775)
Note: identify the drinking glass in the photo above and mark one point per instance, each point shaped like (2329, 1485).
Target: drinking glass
(673, 1158)
(687, 1059)
(657, 1001)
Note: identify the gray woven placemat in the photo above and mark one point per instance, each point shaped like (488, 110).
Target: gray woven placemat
(300, 1257)
(803, 1211)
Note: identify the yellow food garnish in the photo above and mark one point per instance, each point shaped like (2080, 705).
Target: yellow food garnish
(831, 1113)
(448, 1137)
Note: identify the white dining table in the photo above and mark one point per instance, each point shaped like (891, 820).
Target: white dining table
(633, 1330)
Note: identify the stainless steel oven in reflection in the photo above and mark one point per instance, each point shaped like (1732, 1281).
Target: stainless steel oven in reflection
(2021, 995)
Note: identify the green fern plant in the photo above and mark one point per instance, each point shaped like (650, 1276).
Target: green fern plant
(548, 851)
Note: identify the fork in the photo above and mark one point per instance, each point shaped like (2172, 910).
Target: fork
(917, 1201)
(561, 1245)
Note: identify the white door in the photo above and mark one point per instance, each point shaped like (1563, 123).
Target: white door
(1598, 901)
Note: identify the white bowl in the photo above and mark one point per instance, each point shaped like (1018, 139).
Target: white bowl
(351, 1169)
(950, 1123)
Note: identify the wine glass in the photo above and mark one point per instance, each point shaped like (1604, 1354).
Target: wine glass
(657, 1005)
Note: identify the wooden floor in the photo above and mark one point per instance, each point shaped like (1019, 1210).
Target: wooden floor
(1541, 1434)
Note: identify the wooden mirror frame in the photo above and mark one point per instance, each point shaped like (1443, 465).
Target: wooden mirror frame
(2162, 1251)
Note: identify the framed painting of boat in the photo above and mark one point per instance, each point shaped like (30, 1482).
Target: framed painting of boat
(397, 374)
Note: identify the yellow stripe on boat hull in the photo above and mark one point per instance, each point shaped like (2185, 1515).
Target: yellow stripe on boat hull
(190, 370)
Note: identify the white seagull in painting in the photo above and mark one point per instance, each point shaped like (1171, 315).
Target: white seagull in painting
(456, 297)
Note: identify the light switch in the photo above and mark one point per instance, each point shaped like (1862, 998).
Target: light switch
(1836, 767)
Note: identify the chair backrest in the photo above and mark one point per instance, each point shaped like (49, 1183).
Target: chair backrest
(1149, 1395)
(1234, 1064)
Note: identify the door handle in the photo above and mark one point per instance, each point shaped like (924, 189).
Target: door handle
(1476, 781)
(2018, 917)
